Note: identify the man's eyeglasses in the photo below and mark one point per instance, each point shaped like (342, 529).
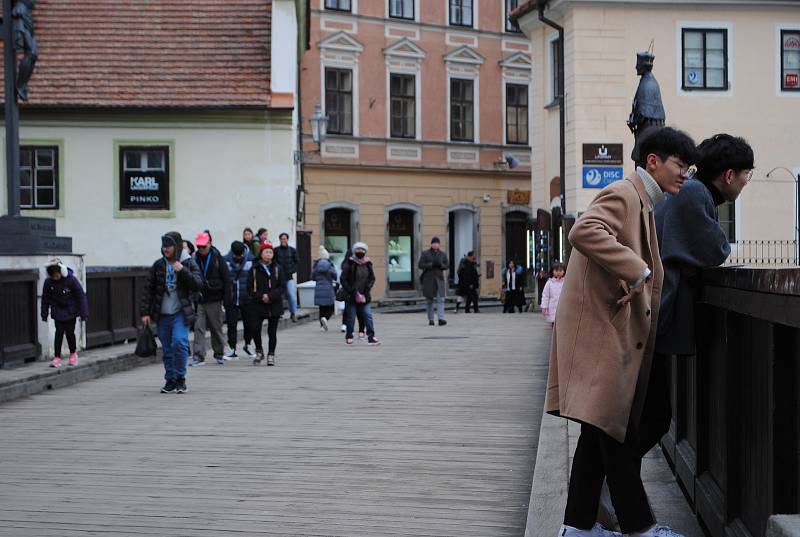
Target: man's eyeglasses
(684, 169)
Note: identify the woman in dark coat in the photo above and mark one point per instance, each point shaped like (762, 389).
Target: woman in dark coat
(324, 274)
(64, 299)
(514, 287)
(266, 286)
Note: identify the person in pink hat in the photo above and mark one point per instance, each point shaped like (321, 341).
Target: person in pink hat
(216, 287)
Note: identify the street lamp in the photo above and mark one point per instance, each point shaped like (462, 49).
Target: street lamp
(796, 181)
(319, 125)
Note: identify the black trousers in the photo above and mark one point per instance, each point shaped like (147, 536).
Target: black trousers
(326, 311)
(598, 457)
(257, 315)
(232, 316)
(514, 298)
(471, 298)
(65, 328)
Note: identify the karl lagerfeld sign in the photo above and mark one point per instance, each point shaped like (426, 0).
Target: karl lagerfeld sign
(144, 178)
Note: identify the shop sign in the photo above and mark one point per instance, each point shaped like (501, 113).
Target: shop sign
(791, 80)
(601, 176)
(602, 154)
(148, 190)
(519, 197)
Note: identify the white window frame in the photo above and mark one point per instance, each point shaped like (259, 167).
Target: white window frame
(353, 8)
(503, 17)
(475, 16)
(518, 82)
(778, 52)
(704, 25)
(476, 107)
(417, 74)
(398, 19)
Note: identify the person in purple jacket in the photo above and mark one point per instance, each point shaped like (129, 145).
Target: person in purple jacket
(63, 299)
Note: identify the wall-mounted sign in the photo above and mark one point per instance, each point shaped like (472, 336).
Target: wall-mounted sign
(601, 176)
(519, 197)
(144, 178)
(791, 80)
(602, 154)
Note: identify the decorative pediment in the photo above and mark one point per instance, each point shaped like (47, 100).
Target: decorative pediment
(518, 60)
(405, 48)
(341, 41)
(464, 54)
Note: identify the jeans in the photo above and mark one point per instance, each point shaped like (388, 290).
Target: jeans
(359, 310)
(174, 336)
(439, 307)
(65, 328)
(209, 314)
(291, 294)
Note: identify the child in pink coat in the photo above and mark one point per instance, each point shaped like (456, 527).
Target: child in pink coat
(552, 290)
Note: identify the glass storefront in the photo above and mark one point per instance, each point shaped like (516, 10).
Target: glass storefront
(400, 249)
(337, 235)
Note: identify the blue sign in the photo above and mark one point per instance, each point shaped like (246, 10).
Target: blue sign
(601, 176)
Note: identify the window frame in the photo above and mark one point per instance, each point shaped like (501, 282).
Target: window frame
(118, 145)
(555, 61)
(165, 168)
(55, 167)
(340, 9)
(781, 76)
(404, 16)
(525, 89)
(406, 99)
(726, 59)
(353, 104)
(732, 223)
(508, 26)
(459, 4)
(473, 123)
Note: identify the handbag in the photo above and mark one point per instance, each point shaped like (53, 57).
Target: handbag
(341, 296)
(503, 295)
(145, 343)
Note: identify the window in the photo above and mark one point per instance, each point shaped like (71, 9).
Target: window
(404, 106)
(338, 5)
(705, 59)
(401, 9)
(461, 12)
(339, 100)
(790, 60)
(727, 219)
(516, 113)
(38, 177)
(511, 5)
(555, 54)
(462, 104)
(144, 177)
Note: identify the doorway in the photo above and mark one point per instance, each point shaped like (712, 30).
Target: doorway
(400, 249)
(462, 231)
(516, 227)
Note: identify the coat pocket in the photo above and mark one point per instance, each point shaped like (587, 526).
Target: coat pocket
(621, 318)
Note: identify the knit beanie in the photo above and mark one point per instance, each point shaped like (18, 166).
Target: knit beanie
(322, 253)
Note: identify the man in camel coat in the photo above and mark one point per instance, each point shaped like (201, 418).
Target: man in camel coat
(604, 336)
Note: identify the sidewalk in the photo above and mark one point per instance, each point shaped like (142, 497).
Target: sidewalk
(38, 377)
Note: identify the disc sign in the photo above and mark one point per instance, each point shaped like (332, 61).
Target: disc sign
(144, 178)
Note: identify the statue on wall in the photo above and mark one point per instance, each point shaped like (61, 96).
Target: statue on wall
(648, 110)
(25, 42)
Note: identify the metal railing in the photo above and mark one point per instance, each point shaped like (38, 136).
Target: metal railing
(19, 337)
(772, 253)
(114, 296)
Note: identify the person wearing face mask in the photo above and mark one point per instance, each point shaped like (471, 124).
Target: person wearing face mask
(239, 261)
(433, 263)
(167, 301)
(357, 279)
(266, 285)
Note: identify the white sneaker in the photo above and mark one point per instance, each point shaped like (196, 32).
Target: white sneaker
(657, 531)
(324, 322)
(343, 329)
(596, 531)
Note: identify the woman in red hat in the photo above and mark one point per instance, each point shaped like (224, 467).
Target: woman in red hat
(266, 286)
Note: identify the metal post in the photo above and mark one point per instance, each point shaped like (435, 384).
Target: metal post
(11, 110)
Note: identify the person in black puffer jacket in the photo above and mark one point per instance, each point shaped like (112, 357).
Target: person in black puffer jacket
(266, 285)
(167, 300)
(216, 289)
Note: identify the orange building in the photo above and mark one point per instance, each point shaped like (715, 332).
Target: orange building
(423, 106)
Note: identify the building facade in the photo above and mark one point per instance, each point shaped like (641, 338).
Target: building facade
(723, 66)
(424, 101)
(137, 128)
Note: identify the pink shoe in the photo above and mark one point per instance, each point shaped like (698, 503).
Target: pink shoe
(374, 341)
(349, 341)
(361, 335)
(73, 359)
(56, 362)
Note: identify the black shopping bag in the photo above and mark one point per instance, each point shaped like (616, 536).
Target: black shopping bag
(145, 343)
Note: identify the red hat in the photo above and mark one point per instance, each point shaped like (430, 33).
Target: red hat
(267, 244)
(202, 239)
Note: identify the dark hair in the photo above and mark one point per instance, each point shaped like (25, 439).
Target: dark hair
(559, 266)
(470, 253)
(52, 269)
(247, 229)
(237, 247)
(191, 246)
(210, 238)
(284, 234)
(720, 153)
(260, 231)
(666, 142)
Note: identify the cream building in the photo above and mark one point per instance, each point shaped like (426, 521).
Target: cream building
(723, 66)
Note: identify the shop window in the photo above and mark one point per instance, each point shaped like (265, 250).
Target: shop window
(705, 59)
(462, 109)
(461, 12)
(400, 249)
(38, 177)
(790, 60)
(144, 178)
(337, 234)
(517, 114)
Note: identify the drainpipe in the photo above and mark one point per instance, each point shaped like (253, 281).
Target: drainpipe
(561, 110)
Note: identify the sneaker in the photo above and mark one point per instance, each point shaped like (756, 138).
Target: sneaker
(270, 359)
(73, 359)
(169, 387)
(220, 360)
(343, 328)
(361, 335)
(596, 531)
(374, 341)
(349, 341)
(324, 322)
(442, 322)
(56, 362)
(259, 357)
(232, 355)
(247, 350)
(657, 531)
(293, 317)
(180, 385)
(197, 362)
(431, 323)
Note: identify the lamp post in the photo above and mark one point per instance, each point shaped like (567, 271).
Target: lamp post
(319, 126)
(796, 181)
(11, 110)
